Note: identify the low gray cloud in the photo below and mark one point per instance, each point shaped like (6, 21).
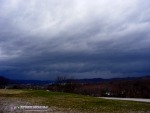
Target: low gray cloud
(81, 38)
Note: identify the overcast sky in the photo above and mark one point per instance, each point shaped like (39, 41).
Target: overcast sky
(41, 39)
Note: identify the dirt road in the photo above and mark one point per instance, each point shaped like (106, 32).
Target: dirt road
(129, 99)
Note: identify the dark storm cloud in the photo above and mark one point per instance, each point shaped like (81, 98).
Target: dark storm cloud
(84, 39)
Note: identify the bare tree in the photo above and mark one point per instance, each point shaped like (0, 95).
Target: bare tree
(60, 79)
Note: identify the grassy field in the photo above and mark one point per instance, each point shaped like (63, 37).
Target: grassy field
(80, 103)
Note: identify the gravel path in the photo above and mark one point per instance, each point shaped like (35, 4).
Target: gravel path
(129, 99)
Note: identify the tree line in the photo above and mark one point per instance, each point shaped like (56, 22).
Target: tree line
(134, 88)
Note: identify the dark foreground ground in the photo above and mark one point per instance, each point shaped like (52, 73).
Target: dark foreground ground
(65, 103)
(7, 106)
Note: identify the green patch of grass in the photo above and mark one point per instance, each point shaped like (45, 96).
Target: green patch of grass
(77, 102)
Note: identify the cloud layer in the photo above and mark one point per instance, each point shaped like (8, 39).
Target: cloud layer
(80, 38)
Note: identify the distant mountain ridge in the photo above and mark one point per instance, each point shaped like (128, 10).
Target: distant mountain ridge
(98, 80)
(4, 80)
(36, 82)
